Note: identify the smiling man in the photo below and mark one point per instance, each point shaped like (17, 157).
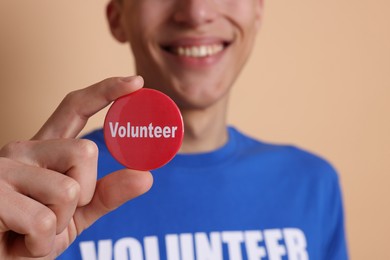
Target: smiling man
(192, 51)
(224, 196)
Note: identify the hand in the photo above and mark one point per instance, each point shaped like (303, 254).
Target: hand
(48, 188)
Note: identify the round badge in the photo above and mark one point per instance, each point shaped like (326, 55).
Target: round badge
(143, 130)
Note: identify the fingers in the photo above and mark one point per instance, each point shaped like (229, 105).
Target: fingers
(24, 215)
(60, 174)
(42, 183)
(72, 114)
(111, 192)
(56, 192)
(76, 158)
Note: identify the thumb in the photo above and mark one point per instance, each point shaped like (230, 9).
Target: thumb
(112, 191)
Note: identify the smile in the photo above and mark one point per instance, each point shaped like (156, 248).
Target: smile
(196, 51)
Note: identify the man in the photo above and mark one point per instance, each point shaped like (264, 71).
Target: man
(224, 196)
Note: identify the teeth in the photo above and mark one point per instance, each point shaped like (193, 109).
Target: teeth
(199, 51)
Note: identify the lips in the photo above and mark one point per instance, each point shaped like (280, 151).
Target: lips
(196, 48)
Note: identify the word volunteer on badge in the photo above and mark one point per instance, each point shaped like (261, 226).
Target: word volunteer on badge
(143, 130)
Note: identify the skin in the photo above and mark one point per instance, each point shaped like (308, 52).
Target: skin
(48, 184)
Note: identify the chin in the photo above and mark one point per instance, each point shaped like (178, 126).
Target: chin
(197, 102)
(187, 91)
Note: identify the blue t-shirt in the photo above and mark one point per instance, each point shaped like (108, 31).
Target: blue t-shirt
(246, 200)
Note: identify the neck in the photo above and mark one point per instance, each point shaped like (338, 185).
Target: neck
(205, 129)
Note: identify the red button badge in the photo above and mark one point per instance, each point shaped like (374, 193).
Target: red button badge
(143, 130)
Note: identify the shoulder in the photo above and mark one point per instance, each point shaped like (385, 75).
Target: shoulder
(290, 159)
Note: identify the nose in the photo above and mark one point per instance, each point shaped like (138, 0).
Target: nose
(195, 12)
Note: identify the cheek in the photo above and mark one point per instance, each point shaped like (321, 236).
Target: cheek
(142, 19)
(246, 22)
(244, 13)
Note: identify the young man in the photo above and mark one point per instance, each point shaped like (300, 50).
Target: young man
(224, 196)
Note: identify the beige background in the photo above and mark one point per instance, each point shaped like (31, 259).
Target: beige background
(319, 77)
